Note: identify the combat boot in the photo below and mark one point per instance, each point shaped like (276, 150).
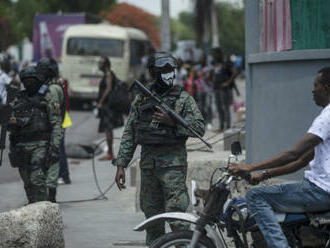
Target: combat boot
(52, 195)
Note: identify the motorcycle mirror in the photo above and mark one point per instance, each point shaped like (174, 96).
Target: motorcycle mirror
(236, 148)
(194, 187)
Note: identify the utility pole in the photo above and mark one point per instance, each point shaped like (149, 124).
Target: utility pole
(166, 26)
(214, 25)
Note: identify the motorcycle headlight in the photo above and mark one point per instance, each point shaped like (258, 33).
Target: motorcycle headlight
(235, 214)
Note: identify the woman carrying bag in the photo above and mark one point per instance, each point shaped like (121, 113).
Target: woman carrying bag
(109, 117)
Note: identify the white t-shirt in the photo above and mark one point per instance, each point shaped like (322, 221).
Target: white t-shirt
(319, 172)
(4, 80)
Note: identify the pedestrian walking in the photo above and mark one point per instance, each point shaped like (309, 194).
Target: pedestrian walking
(201, 91)
(64, 173)
(163, 145)
(207, 76)
(5, 80)
(223, 83)
(109, 117)
(189, 85)
(182, 73)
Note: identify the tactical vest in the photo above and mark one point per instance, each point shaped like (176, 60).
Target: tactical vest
(63, 104)
(32, 119)
(148, 133)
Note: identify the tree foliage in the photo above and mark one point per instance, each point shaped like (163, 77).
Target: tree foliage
(7, 28)
(182, 28)
(90, 6)
(231, 23)
(20, 14)
(130, 16)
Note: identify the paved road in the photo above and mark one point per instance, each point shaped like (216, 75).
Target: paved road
(7, 173)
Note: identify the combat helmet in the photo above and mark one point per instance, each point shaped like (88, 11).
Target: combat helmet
(48, 67)
(30, 72)
(31, 79)
(160, 64)
(158, 60)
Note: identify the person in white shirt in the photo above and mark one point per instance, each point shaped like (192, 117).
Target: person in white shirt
(4, 81)
(312, 194)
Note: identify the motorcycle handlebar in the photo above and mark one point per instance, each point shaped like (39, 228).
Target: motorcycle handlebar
(246, 176)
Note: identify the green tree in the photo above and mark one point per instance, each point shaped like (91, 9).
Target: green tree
(187, 19)
(23, 16)
(90, 6)
(231, 25)
(182, 28)
(8, 30)
(231, 22)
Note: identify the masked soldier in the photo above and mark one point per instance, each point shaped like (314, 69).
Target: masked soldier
(163, 153)
(48, 67)
(35, 133)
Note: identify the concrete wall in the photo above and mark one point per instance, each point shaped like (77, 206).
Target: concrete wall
(280, 106)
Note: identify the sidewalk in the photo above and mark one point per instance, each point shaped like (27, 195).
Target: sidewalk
(98, 223)
(105, 223)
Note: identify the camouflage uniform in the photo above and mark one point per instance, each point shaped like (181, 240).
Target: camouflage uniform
(56, 96)
(29, 152)
(163, 168)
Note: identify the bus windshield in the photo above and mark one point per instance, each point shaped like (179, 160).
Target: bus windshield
(95, 47)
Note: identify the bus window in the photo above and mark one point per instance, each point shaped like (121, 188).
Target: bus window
(137, 51)
(95, 47)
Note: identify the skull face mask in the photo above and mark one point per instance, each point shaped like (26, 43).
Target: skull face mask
(168, 78)
(162, 69)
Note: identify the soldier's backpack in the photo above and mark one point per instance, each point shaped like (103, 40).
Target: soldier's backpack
(118, 99)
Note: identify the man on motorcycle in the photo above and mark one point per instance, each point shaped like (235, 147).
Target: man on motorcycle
(163, 145)
(312, 194)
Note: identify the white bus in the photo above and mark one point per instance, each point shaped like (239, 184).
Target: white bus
(84, 44)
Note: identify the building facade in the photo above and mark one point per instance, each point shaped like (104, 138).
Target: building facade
(287, 42)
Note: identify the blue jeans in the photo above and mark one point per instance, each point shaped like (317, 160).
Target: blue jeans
(299, 197)
(64, 168)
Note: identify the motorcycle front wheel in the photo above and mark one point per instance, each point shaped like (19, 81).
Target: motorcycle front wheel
(181, 239)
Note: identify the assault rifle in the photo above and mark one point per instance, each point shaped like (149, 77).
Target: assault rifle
(177, 118)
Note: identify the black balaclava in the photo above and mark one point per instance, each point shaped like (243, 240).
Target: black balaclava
(31, 85)
(48, 68)
(31, 79)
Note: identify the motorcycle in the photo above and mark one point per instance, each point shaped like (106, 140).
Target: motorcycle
(223, 216)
